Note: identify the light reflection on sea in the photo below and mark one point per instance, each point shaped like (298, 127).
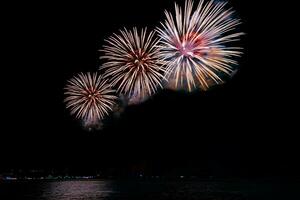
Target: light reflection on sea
(147, 190)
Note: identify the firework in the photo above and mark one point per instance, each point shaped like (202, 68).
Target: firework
(133, 64)
(197, 44)
(89, 97)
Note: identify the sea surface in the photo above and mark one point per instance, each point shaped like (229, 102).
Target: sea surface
(148, 190)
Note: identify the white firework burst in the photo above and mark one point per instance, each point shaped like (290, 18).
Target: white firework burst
(133, 64)
(89, 97)
(196, 44)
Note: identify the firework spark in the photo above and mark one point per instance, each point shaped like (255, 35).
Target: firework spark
(89, 97)
(196, 44)
(133, 64)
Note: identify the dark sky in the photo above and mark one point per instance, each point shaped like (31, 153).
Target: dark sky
(245, 126)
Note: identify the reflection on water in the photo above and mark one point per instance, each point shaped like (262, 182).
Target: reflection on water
(56, 190)
(147, 190)
(77, 190)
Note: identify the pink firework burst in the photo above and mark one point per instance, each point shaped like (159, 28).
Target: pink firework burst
(196, 44)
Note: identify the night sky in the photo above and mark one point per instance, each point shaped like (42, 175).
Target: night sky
(243, 128)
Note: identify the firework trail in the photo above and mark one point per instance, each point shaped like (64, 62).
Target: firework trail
(133, 64)
(195, 44)
(89, 97)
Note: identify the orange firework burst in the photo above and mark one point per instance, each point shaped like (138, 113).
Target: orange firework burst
(133, 64)
(89, 97)
(195, 44)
